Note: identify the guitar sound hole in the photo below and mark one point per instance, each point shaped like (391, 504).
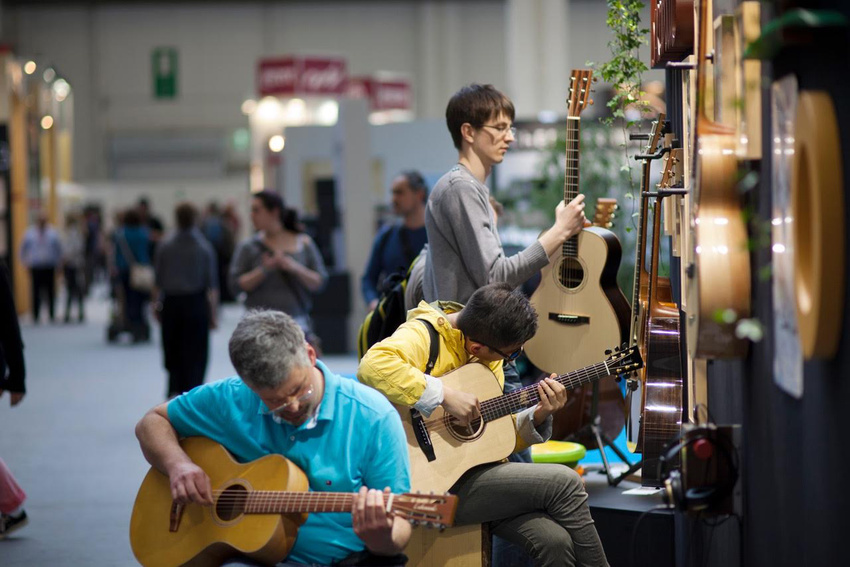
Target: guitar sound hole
(231, 503)
(571, 273)
(464, 432)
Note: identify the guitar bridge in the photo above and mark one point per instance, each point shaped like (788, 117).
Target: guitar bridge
(423, 438)
(569, 319)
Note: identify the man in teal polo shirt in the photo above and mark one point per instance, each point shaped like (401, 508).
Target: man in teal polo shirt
(345, 436)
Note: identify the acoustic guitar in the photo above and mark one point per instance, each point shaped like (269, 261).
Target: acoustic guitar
(671, 31)
(441, 449)
(640, 287)
(663, 384)
(257, 509)
(579, 306)
(718, 280)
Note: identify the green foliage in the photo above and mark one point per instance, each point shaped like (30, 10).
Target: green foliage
(624, 68)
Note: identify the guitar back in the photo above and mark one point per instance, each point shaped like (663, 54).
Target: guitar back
(456, 450)
(587, 288)
(719, 277)
(209, 535)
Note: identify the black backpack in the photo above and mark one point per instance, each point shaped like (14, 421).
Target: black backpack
(388, 315)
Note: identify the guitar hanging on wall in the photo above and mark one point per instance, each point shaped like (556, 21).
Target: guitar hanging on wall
(718, 279)
(640, 288)
(580, 309)
(662, 390)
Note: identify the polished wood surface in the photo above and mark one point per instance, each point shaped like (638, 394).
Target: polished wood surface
(205, 538)
(663, 386)
(492, 437)
(671, 30)
(257, 509)
(817, 200)
(640, 290)
(718, 284)
(581, 311)
(460, 546)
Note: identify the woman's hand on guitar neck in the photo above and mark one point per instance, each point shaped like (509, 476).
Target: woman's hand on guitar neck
(461, 405)
(569, 220)
(190, 484)
(553, 396)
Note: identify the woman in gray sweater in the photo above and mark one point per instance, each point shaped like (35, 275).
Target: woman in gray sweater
(279, 267)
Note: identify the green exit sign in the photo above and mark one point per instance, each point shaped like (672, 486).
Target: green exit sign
(164, 66)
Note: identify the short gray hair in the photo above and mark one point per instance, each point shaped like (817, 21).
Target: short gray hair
(266, 346)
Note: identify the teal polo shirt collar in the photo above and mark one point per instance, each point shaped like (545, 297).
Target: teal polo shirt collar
(327, 405)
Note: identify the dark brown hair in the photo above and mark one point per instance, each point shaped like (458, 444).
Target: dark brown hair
(475, 104)
(288, 217)
(498, 315)
(185, 214)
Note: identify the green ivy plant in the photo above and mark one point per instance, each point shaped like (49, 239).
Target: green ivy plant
(623, 71)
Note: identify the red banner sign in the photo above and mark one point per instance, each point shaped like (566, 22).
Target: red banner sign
(382, 94)
(284, 76)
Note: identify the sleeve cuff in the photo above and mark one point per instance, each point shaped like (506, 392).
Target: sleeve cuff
(431, 397)
(537, 255)
(530, 433)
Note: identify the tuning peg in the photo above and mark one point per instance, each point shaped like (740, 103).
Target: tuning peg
(590, 102)
(595, 79)
(607, 351)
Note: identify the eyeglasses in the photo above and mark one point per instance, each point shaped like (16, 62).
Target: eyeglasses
(302, 398)
(502, 130)
(509, 357)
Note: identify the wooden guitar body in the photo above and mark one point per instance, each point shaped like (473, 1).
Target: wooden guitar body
(441, 449)
(458, 449)
(208, 536)
(663, 383)
(719, 277)
(662, 390)
(581, 311)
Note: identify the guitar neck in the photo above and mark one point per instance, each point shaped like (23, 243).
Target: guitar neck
(527, 397)
(570, 246)
(279, 502)
(640, 243)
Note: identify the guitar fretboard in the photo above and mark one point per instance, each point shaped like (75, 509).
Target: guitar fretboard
(526, 397)
(277, 502)
(571, 171)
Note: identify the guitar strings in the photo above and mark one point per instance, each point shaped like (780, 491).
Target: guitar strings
(512, 402)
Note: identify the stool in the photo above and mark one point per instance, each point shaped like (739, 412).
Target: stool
(563, 452)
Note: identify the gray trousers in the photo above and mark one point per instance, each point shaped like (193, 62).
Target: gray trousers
(541, 507)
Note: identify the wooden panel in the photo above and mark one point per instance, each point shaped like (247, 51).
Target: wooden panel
(464, 546)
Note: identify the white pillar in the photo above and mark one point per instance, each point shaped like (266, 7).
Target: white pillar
(352, 172)
(536, 55)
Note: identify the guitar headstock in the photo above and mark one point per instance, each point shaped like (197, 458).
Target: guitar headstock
(579, 97)
(655, 135)
(605, 212)
(624, 361)
(430, 510)
(671, 163)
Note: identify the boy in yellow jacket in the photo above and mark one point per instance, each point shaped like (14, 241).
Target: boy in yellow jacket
(540, 507)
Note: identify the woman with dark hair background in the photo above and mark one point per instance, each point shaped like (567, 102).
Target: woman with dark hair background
(279, 267)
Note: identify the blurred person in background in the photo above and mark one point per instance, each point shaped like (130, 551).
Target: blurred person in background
(41, 252)
(156, 229)
(94, 246)
(399, 243)
(220, 236)
(186, 300)
(131, 244)
(12, 375)
(73, 262)
(279, 267)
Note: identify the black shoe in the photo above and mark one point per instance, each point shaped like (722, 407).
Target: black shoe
(9, 523)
